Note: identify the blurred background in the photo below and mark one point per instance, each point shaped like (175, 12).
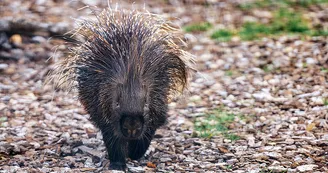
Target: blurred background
(258, 103)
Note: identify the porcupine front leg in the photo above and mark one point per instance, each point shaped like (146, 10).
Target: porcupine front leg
(116, 149)
(137, 148)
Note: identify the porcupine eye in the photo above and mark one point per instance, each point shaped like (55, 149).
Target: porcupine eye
(118, 96)
(146, 104)
(117, 102)
(146, 108)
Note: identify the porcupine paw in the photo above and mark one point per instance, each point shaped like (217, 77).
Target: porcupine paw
(117, 166)
(137, 149)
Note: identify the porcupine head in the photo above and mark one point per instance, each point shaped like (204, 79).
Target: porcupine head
(126, 69)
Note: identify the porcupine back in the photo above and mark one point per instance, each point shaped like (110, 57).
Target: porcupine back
(124, 47)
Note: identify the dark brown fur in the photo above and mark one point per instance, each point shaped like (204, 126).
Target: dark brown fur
(125, 72)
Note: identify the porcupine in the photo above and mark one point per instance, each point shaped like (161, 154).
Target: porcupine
(126, 70)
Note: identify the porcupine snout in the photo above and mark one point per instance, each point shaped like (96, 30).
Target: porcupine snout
(131, 126)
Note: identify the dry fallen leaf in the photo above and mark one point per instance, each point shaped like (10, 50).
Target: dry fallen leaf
(310, 127)
(16, 39)
(151, 165)
(223, 149)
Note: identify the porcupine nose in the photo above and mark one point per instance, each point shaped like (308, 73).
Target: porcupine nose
(131, 126)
